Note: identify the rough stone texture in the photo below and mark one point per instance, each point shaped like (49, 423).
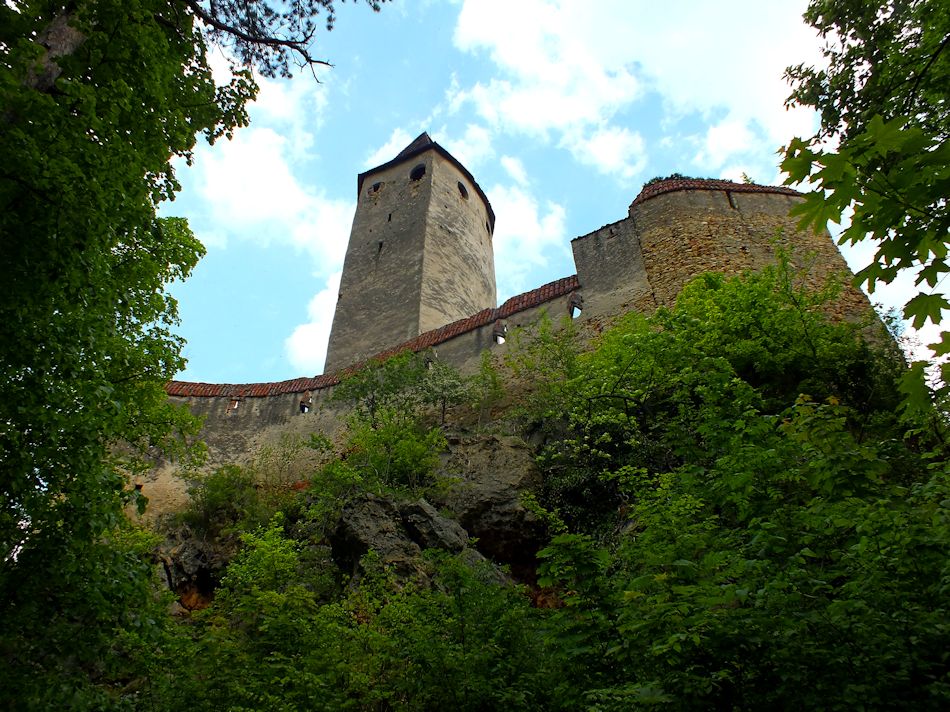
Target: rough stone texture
(430, 530)
(687, 232)
(490, 473)
(397, 532)
(419, 255)
(675, 230)
(192, 568)
(610, 267)
(458, 265)
(379, 291)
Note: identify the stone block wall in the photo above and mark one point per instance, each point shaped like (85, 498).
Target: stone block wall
(612, 272)
(382, 272)
(731, 228)
(419, 254)
(674, 231)
(458, 265)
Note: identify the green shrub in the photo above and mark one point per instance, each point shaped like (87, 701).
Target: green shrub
(224, 502)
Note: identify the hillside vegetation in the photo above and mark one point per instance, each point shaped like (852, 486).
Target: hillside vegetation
(740, 516)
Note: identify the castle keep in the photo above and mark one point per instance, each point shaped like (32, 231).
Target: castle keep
(419, 256)
(419, 274)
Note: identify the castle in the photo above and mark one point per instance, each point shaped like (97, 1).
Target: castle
(419, 274)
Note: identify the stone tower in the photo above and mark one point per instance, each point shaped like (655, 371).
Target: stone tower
(419, 256)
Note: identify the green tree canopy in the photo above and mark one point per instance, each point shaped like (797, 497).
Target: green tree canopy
(96, 100)
(882, 148)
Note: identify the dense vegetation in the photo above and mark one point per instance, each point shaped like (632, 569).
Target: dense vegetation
(96, 99)
(741, 517)
(746, 510)
(882, 151)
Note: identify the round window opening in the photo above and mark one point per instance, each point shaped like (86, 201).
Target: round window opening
(417, 172)
(463, 191)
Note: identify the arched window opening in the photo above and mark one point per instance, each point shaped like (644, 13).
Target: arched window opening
(575, 306)
(499, 332)
(417, 172)
(463, 191)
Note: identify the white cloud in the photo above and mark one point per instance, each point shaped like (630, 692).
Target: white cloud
(398, 140)
(611, 150)
(515, 168)
(473, 148)
(296, 106)
(723, 141)
(526, 236)
(306, 347)
(252, 192)
(552, 78)
(569, 67)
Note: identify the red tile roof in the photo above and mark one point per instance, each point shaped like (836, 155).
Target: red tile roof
(671, 185)
(516, 304)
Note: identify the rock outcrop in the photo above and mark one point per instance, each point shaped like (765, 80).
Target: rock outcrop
(489, 474)
(192, 567)
(397, 531)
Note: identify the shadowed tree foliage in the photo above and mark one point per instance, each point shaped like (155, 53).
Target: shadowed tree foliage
(96, 99)
(884, 102)
(751, 526)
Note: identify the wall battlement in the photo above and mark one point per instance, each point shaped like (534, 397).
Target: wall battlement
(675, 230)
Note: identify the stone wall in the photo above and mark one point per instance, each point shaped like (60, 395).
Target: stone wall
(674, 231)
(458, 265)
(239, 418)
(419, 254)
(731, 228)
(382, 272)
(611, 270)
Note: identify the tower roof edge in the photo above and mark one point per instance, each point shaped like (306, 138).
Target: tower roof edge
(422, 143)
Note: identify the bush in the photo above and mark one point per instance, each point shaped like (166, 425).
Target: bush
(225, 502)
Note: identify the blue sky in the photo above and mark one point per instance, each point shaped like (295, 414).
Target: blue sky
(560, 109)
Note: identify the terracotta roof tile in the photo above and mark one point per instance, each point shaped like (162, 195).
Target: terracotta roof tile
(674, 184)
(518, 303)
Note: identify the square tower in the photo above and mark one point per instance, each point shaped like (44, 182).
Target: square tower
(419, 256)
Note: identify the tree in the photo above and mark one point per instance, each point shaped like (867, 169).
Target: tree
(96, 98)
(776, 539)
(266, 35)
(883, 98)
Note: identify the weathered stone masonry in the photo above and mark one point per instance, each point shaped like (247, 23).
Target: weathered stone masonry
(433, 264)
(419, 255)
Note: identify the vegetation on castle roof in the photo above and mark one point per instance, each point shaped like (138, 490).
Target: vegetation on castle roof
(673, 176)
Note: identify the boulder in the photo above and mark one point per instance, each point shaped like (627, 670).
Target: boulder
(192, 568)
(488, 475)
(397, 531)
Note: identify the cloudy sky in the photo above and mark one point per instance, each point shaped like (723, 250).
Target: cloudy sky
(561, 109)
